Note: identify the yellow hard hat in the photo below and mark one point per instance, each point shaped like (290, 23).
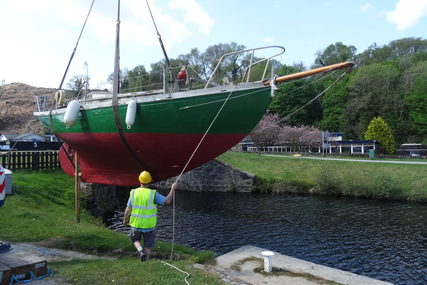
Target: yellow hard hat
(145, 177)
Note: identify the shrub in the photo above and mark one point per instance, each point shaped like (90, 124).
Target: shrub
(379, 130)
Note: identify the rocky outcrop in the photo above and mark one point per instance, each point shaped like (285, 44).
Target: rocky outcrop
(213, 176)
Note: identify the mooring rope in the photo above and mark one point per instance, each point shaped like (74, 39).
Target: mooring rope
(179, 177)
(180, 270)
(188, 162)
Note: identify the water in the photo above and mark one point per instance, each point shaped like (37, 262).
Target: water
(380, 239)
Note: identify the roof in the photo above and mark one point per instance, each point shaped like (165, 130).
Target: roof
(21, 137)
(354, 142)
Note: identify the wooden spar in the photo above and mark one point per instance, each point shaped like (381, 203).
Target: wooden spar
(314, 71)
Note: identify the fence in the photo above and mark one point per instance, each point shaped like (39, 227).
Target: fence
(35, 160)
(271, 150)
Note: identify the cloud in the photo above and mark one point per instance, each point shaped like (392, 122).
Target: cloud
(194, 13)
(366, 7)
(407, 13)
(268, 40)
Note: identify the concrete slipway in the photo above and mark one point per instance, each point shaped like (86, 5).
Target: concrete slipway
(237, 268)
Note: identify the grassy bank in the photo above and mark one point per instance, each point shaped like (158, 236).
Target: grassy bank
(359, 179)
(42, 210)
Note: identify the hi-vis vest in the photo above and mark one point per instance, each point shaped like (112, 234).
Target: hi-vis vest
(144, 211)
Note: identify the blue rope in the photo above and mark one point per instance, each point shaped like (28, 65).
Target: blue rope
(32, 277)
(49, 272)
(14, 278)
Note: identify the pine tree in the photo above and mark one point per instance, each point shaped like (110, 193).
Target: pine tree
(379, 130)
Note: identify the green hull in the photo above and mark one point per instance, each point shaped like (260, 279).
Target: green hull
(164, 135)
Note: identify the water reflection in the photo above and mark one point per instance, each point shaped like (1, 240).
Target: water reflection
(382, 240)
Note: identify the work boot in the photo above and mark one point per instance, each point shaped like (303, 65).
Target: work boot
(142, 256)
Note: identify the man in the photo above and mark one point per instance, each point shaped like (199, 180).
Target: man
(142, 210)
(182, 77)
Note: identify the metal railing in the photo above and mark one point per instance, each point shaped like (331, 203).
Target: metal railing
(251, 64)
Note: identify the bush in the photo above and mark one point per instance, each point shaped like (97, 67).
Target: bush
(328, 182)
(385, 187)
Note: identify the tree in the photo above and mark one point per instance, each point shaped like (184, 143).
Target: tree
(267, 132)
(230, 66)
(77, 84)
(379, 130)
(135, 80)
(395, 49)
(374, 91)
(417, 102)
(293, 95)
(335, 53)
(333, 105)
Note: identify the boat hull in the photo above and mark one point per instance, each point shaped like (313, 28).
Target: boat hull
(163, 137)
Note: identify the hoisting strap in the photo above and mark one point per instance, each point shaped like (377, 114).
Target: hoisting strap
(116, 81)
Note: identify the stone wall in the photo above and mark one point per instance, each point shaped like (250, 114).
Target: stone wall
(212, 176)
(101, 200)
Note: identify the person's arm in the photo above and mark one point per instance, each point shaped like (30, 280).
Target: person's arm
(170, 195)
(128, 210)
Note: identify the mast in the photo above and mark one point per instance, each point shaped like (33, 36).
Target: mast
(116, 79)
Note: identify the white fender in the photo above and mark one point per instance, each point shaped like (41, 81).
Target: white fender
(71, 113)
(59, 97)
(131, 113)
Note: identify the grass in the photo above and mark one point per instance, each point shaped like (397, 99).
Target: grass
(42, 210)
(359, 179)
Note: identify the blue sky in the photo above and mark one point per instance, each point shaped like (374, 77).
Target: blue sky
(39, 36)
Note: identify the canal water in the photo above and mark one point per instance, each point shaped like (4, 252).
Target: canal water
(381, 239)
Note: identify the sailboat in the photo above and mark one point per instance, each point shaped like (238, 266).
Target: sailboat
(166, 131)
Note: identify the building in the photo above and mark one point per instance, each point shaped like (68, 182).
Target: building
(352, 147)
(412, 149)
(23, 138)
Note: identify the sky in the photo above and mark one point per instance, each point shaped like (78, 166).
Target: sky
(38, 37)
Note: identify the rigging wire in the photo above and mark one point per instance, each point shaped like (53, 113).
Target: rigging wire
(65, 74)
(169, 67)
(287, 117)
(312, 82)
(75, 48)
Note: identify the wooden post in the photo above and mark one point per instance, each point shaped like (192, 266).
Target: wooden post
(76, 188)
